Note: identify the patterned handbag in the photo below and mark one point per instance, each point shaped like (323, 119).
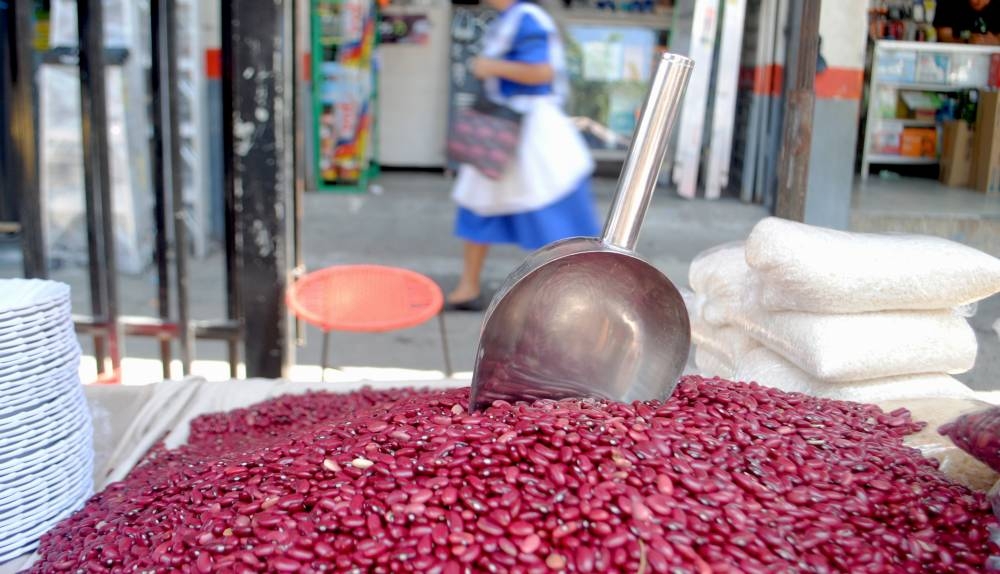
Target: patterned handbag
(485, 136)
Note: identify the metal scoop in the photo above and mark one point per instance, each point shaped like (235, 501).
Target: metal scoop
(586, 317)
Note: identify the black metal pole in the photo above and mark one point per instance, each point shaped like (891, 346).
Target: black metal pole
(8, 204)
(23, 154)
(800, 98)
(100, 213)
(230, 209)
(448, 372)
(169, 51)
(260, 70)
(325, 357)
(159, 186)
(298, 198)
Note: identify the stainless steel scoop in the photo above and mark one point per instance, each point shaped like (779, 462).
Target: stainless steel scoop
(586, 317)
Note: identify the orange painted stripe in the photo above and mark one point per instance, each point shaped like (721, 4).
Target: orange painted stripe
(770, 79)
(213, 63)
(840, 84)
(832, 84)
(763, 80)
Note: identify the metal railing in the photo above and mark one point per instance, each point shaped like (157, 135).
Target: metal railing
(262, 184)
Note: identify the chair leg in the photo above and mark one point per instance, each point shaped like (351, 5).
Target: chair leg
(326, 355)
(444, 346)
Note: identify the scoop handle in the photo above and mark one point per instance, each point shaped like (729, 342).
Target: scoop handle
(647, 150)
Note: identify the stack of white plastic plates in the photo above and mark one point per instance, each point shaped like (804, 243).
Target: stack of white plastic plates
(46, 450)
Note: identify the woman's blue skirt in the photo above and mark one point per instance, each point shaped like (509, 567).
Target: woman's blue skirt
(572, 216)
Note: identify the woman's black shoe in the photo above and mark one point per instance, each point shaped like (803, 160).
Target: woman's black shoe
(476, 304)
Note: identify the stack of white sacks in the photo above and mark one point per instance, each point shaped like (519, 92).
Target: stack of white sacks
(840, 315)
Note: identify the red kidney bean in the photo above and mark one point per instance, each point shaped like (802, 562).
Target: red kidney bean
(555, 562)
(507, 546)
(723, 477)
(530, 544)
(520, 528)
(584, 559)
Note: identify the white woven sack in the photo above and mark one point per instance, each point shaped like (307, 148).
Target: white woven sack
(769, 369)
(719, 278)
(867, 345)
(798, 267)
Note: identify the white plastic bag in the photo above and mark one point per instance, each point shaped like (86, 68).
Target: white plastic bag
(719, 271)
(691, 301)
(729, 343)
(769, 369)
(867, 345)
(711, 365)
(719, 277)
(712, 354)
(799, 267)
(721, 311)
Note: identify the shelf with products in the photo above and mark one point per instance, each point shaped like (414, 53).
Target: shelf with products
(908, 122)
(903, 20)
(893, 159)
(931, 87)
(659, 19)
(913, 88)
(344, 35)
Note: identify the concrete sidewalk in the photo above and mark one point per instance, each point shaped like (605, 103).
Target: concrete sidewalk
(410, 225)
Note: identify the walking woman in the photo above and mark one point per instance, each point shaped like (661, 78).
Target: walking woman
(544, 195)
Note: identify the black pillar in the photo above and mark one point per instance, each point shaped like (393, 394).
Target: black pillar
(97, 181)
(800, 99)
(167, 177)
(258, 108)
(22, 157)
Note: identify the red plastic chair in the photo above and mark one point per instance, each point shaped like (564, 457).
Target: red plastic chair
(367, 299)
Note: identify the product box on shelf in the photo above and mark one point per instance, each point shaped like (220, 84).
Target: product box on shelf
(969, 69)
(919, 142)
(886, 139)
(896, 66)
(987, 154)
(932, 68)
(918, 105)
(957, 146)
(887, 101)
(995, 71)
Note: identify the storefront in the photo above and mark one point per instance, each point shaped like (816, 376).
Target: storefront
(424, 78)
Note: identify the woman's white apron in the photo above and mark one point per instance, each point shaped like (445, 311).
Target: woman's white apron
(552, 157)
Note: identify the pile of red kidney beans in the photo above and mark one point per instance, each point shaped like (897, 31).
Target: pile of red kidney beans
(723, 477)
